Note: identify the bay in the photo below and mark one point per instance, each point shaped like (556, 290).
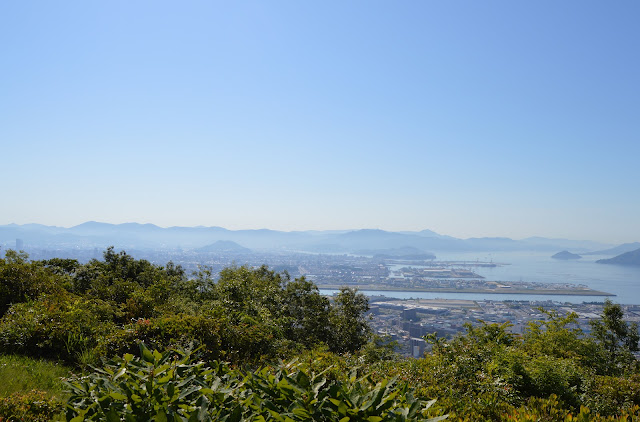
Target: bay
(622, 281)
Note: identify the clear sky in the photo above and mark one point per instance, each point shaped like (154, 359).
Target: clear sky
(470, 118)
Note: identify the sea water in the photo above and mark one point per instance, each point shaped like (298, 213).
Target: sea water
(622, 281)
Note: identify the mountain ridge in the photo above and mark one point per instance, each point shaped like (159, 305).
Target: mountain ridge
(620, 249)
(627, 258)
(150, 236)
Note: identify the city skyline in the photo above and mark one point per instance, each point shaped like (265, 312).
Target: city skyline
(471, 120)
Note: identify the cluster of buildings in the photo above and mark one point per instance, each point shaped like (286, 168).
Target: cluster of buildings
(408, 321)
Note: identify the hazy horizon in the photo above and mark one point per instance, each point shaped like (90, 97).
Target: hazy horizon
(491, 119)
(344, 229)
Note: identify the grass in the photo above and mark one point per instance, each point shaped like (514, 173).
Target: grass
(21, 374)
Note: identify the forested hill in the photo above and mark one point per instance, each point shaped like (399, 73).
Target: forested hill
(627, 258)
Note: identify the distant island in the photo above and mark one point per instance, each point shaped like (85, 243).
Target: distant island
(566, 255)
(406, 253)
(227, 246)
(627, 258)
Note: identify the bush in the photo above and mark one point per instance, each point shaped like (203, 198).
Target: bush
(55, 327)
(608, 395)
(32, 406)
(178, 331)
(170, 386)
(542, 376)
(22, 281)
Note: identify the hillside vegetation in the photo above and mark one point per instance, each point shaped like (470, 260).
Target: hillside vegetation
(149, 342)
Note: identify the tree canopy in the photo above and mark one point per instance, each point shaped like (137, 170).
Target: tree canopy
(64, 309)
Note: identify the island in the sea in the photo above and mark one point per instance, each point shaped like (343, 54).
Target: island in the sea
(628, 258)
(566, 255)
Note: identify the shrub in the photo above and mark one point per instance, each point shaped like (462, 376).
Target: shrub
(542, 376)
(170, 386)
(178, 331)
(22, 281)
(611, 395)
(32, 406)
(54, 327)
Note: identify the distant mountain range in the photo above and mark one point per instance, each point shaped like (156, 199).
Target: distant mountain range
(625, 247)
(627, 258)
(151, 237)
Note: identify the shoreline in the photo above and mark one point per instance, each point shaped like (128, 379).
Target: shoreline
(548, 292)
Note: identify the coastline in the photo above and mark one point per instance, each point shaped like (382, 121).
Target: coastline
(550, 292)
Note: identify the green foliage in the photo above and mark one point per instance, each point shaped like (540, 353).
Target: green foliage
(488, 369)
(557, 336)
(61, 309)
(30, 389)
(544, 375)
(306, 313)
(157, 386)
(468, 373)
(22, 281)
(60, 327)
(164, 332)
(171, 387)
(78, 313)
(551, 410)
(608, 395)
(62, 266)
(538, 410)
(379, 349)
(134, 288)
(475, 362)
(292, 394)
(30, 406)
(617, 341)
(349, 327)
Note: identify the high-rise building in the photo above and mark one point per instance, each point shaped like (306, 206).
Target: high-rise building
(19, 245)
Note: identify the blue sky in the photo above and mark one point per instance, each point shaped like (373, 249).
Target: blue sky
(492, 118)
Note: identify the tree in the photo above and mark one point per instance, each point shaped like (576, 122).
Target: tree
(22, 280)
(62, 266)
(618, 340)
(256, 293)
(557, 335)
(307, 313)
(349, 325)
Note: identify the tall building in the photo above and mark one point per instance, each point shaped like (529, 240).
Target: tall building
(19, 245)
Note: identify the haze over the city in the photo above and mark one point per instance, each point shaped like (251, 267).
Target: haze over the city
(471, 119)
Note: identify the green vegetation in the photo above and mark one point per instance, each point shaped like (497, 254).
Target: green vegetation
(59, 309)
(31, 389)
(19, 374)
(170, 387)
(212, 349)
